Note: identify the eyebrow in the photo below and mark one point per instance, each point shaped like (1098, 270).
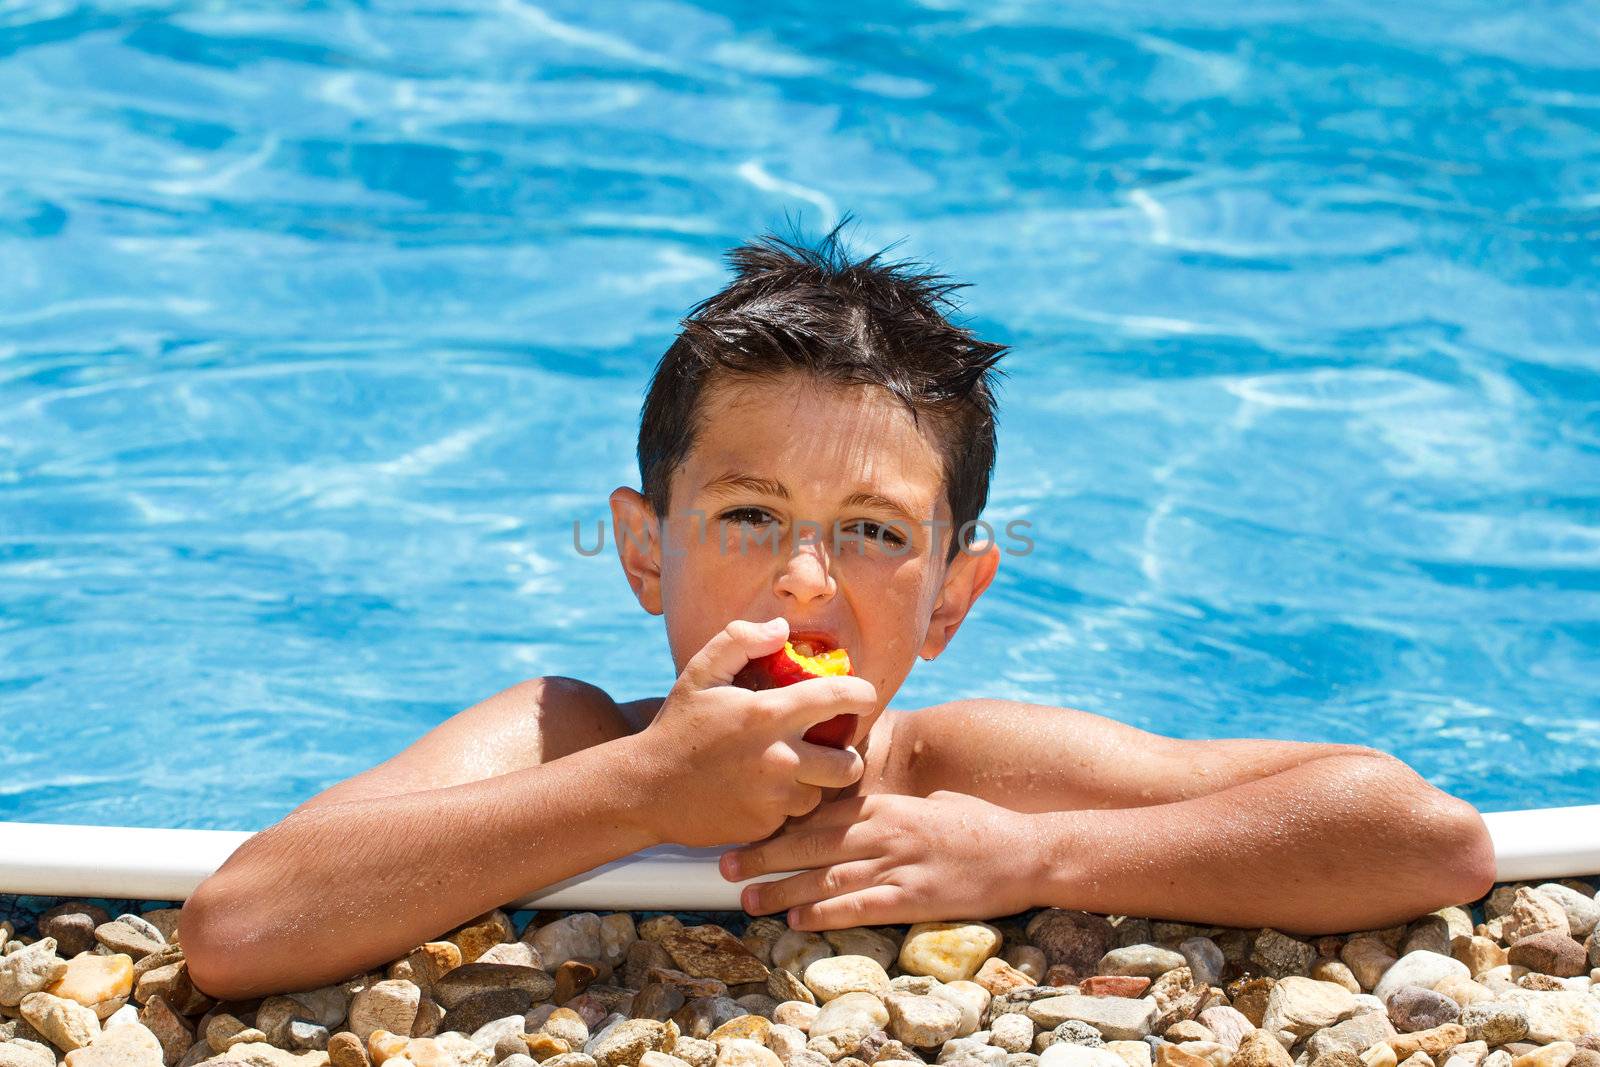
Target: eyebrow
(732, 483)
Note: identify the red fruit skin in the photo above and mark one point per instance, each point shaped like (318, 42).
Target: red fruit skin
(778, 669)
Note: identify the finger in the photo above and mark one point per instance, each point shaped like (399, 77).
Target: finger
(726, 654)
(841, 812)
(874, 905)
(802, 705)
(830, 768)
(798, 851)
(807, 887)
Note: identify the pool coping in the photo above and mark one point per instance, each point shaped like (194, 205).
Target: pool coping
(65, 859)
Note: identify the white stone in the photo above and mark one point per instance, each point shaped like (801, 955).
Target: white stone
(797, 950)
(835, 976)
(1421, 968)
(1066, 1054)
(573, 937)
(970, 997)
(1302, 1006)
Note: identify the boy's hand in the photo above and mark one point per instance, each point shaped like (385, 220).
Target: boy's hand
(730, 764)
(884, 858)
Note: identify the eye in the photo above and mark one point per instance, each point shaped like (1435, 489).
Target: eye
(760, 516)
(874, 531)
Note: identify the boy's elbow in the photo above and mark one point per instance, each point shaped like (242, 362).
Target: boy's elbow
(1469, 864)
(210, 949)
(1451, 845)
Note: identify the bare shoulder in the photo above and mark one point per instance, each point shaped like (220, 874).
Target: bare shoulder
(527, 724)
(1037, 757)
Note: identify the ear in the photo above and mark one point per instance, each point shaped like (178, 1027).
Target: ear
(970, 574)
(638, 537)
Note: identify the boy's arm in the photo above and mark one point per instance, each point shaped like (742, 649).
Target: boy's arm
(389, 859)
(1305, 837)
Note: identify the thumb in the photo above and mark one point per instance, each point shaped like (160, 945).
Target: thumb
(726, 654)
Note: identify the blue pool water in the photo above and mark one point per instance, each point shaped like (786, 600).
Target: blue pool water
(318, 329)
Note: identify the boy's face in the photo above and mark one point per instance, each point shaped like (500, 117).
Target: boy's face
(771, 457)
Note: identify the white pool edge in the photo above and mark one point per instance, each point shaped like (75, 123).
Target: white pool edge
(126, 862)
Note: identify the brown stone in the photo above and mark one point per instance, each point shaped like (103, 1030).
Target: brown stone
(709, 951)
(657, 1000)
(1061, 974)
(72, 924)
(346, 1050)
(1260, 1049)
(688, 984)
(572, 978)
(542, 1046)
(783, 985)
(483, 933)
(1175, 1056)
(1114, 985)
(485, 1007)
(642, 956)
(171, 983)
(1249, 997)
(471, 979)
(1072, 940)
(1550, 952)
(1434, 1041)
(753, 1027)
(174, 1033)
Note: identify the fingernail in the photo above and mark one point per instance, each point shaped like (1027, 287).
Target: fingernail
(730, 866)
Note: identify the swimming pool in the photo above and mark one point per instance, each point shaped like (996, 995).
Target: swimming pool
(319, 329)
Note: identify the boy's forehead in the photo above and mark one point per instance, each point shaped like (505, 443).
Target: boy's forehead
(806, 435)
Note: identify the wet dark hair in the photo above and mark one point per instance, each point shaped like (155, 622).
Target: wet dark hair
(792, 308)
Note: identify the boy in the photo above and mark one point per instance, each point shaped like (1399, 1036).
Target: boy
(816, 439)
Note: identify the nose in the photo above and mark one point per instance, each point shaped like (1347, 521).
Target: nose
(807, 573)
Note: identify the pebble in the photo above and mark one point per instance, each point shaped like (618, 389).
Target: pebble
(1279, 955)
(855, 1013)
(1420, 968)
(1583, 909)
(970, 998)
(481, 934)
(387, 1005)
(64, 1023)
(1067, 1055)
(20, 1052)
(71, 925)
(1204, 958)
(29, 970)
(797, 950)
(1147, 961)
(123, 1046)
(1012, 1031)
(1029, 959)
(1533, 913)
(1368, 958)
(924, 1021)
(998, 976)
(863, 941)
(1133, 1053)
(948, 951)
(1227, 1024)
(1261, 1049)
(1549, 952)
(835, 976)
(965, 1052)
(1116, 1018)
(1072, 939)
(1413, 1008)
(709, 951)
(573, 937)
(1302, 1006)
(1107, 985)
